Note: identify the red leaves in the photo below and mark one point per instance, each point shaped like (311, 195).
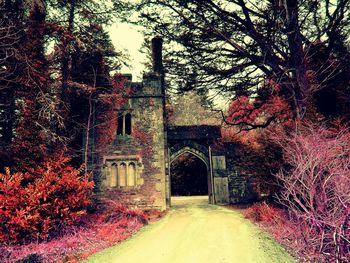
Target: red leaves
(108, 103)
(244, 111)
(54, 194)
(269, 106)
(98, 231)
(141, 136)
(241, 110)
(263, 213)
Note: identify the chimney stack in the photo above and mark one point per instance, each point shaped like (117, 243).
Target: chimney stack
(157, 59)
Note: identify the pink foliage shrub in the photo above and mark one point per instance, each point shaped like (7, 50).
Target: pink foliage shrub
(316, 189)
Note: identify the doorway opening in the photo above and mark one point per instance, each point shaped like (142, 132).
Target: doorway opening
(189, 176)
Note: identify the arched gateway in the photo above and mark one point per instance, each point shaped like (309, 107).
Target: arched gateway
(197, 140)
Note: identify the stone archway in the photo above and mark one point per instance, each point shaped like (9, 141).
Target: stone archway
(189, 176)
(190, 147)
(199, 151)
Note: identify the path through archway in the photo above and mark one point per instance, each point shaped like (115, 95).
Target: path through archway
(189, 176)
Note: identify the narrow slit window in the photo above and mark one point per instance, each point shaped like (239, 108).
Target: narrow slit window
(128, 124)
(120, 124)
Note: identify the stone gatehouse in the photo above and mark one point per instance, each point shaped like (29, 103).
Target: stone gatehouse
(136, 168)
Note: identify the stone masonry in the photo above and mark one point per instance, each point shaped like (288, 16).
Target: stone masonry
(136, 167)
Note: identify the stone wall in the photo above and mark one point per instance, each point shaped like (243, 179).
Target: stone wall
(240, 189)
(239, 183)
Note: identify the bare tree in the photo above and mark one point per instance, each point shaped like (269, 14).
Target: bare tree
(11, 34)
(234, 46)
(315, 188)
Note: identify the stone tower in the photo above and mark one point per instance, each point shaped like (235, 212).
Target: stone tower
(134, 170)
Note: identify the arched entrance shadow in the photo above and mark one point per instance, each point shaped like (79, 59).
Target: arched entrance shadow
(189, 176)
(195, 149)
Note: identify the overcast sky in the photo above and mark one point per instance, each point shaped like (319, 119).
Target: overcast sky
(128, 38)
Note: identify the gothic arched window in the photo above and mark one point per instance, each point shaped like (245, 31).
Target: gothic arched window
(114, 174)
(122, 174)
(124, 124)
(120, 124)
(131, 174)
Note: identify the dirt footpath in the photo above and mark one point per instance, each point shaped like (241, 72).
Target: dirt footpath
(195, 232)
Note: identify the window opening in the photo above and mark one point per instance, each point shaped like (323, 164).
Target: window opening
(128, 124)
(132, 174)
(120, 124)
(122, 175)
(114, 174)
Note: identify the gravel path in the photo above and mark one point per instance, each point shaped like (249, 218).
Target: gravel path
(195, 232)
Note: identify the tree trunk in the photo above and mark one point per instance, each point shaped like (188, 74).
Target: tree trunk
(65, 59)
(297, 56)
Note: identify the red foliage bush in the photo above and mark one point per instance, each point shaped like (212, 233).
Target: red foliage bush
(264, 213)
(36, 203)
(97, 231)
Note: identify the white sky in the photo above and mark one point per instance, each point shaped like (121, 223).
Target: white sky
(128, 38)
